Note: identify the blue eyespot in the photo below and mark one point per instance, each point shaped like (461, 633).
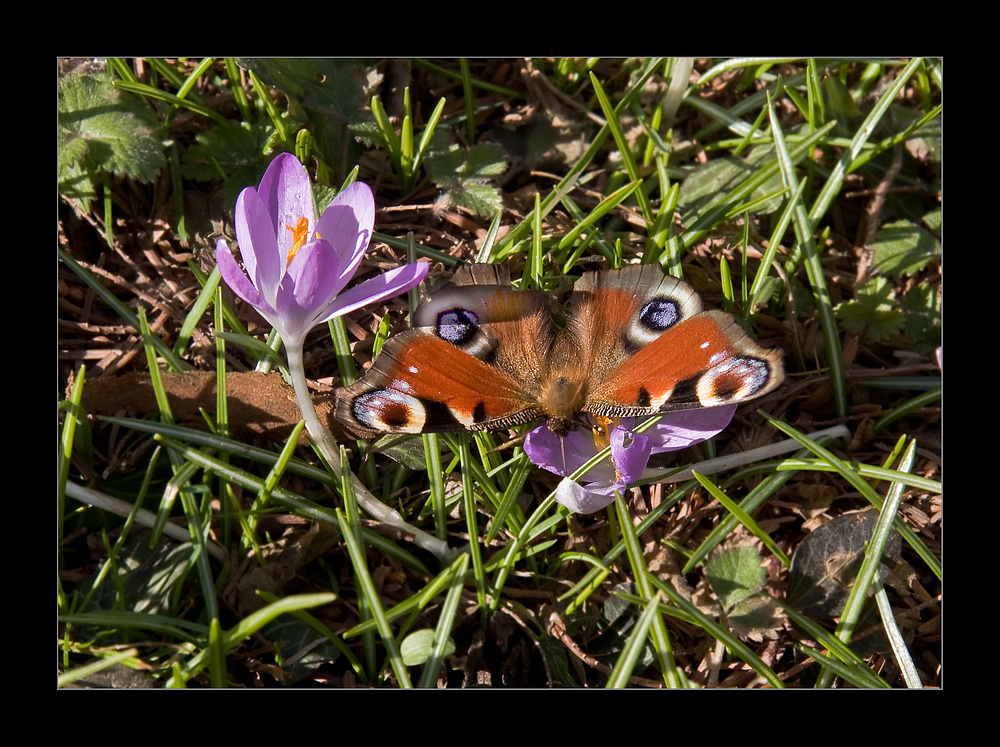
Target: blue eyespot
(659, 314)
(457, 326)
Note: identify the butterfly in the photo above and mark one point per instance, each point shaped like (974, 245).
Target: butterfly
(482, 355)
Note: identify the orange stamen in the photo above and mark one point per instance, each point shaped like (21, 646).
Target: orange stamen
(602, 434)
(601, 427)
(299, 235)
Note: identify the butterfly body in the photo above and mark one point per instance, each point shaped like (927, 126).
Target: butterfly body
(482, 355)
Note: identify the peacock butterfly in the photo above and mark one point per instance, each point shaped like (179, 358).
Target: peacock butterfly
(482, 355)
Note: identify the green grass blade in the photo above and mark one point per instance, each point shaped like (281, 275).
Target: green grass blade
(660, 638)
(744, 519)
(855, 479)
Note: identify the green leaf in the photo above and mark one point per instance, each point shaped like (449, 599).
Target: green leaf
(466, 176)
(485, 161)
(417, 646)
(932, 220)
(871, 314)
(712, 183)
(757, 617)
(925, 142)
(903, 248)
(329, 95)
(367, 133)
(233, 151)
(735, 573)
(404, 448)
(922, 314)
(102, 129)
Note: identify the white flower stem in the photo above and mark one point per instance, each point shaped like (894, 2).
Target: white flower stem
(331, 452)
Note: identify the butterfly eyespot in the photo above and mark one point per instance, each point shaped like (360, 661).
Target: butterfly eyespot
(737, 379)
(457, 326)
(654, 318)
(388, 409)
(660, 314)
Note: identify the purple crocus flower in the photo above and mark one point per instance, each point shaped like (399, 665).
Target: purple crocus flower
(630, 452)
(295, 270)
(298, 266)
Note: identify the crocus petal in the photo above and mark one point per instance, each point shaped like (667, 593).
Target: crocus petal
(287, 196)
(564, 455)
(678, 430)
(388, 284)
(630, 453)
(580, 500)
(237, 280)
(314, 271)
(296, 291)
(546, 450)
(347, 225)
(258, 245)
(306, 289)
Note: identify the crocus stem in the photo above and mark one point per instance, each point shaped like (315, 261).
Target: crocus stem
(331, 452)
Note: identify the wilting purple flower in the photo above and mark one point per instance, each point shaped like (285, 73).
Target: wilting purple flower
(630, 452)
(298, 266)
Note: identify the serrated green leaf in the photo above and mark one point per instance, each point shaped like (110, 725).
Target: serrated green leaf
(100, 128)
(466, 176)
(75, 182)
(367, 133)
(485, 160)
(233, 151)
(482, 199)
(757, 617)
(71, 153)
(444, 162)
(871, 313)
